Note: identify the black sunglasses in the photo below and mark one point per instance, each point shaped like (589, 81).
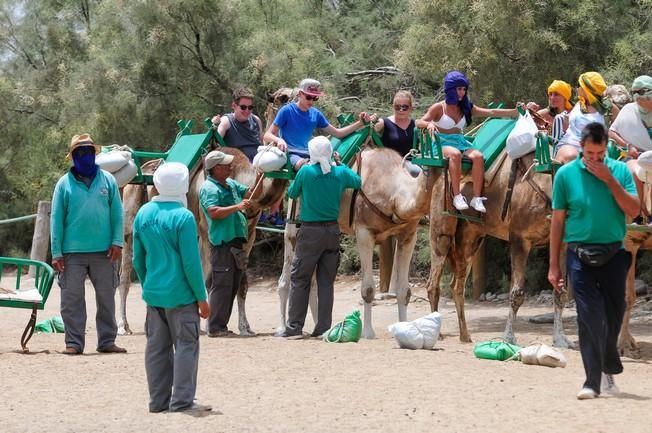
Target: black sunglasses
(246, 107)
(401, 107)
(640, 91)
(311, 98)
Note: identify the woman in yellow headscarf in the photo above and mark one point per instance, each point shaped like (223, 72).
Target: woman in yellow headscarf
(592, 107)
(556, 113)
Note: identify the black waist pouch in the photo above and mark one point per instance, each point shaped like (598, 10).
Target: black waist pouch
(595, 254)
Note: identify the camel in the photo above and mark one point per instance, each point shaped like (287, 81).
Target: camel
(395, 203)
(526, 225)
(134, 196)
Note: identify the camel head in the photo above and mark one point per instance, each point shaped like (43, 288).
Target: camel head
(275, 101)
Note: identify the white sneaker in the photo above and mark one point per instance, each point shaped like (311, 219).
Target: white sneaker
(608, 385)
(460, 202)
(586, 394)
(476, 203)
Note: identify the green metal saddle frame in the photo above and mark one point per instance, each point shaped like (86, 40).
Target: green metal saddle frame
(545, 163)
(43, 278)
(187, 149)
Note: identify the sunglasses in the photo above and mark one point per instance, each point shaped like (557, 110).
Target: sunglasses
(401, 107)
(246, 107)
(311, 98)
(640, 91)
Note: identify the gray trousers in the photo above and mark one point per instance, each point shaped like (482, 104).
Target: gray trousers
(104, 276)
(172, 356)
(223, 284)
(317, 249)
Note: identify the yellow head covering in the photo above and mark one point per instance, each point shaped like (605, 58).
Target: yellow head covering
(594, 86)
(564, 89)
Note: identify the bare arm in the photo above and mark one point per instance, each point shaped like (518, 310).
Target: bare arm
(271, 136)
(494, 112)
(380, 126)
(348, 129)
(218, 213)
(223, 126)
(433, 114)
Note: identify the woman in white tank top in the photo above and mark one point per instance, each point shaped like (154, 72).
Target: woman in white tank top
(592, 107)
(448, 118)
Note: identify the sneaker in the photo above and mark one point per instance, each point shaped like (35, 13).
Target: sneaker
(263, 218)
(460, 202)
(638, 221)
(292, 335)
(608, 385)
(476, 203)
(195, 407)
(219, 333)
(649, 220)
(586, 394)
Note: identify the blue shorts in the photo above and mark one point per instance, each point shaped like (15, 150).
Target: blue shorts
(296, 157)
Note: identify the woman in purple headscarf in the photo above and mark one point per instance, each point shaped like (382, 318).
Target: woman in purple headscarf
(448, 118)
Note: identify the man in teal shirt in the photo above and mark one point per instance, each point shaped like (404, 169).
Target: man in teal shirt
(591, 198)
(320, 186)
(224, 201)
(166, 259)
(86, 233)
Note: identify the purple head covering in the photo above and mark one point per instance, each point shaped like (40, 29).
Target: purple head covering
(452, 81)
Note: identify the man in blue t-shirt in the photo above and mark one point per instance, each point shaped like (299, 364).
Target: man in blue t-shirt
(296, 122)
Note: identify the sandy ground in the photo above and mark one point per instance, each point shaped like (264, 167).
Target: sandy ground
(264, 383)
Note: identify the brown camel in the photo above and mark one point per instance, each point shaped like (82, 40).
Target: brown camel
(134, 196)
(394, 206)
(526, 225)
(634, 241)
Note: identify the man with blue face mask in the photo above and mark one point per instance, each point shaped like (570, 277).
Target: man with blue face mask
(86, 231)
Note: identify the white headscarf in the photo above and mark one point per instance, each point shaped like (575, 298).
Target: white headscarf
(171, 181)
(321, 150)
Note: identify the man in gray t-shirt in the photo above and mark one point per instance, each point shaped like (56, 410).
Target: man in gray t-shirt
(241, 128)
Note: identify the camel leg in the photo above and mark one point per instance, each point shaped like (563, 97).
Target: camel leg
(559, 338)
(243, 323)
(437, 265)
(284, 279)
(461, 273)
(123, 289)
(365, 243)
(627, 345)
(385, 260)
(400, 274)
(519, 250)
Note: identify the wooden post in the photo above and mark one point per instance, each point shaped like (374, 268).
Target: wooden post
(479, 273)
(41, 239)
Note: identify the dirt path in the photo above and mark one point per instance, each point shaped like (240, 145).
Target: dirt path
(264, 384)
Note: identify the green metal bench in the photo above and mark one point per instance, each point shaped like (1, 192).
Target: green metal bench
(187, 149)
(545, 163)
(43, 278)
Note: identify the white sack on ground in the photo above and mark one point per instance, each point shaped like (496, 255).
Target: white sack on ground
(421, 333)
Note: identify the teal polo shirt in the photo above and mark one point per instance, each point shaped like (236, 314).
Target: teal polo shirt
(85, 219)
(213, 193)
(320, 193)
(593, 216)
(166, 255)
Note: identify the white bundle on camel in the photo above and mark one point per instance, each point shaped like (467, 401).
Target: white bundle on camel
(118, 161)
(269, 158)
(644, 169)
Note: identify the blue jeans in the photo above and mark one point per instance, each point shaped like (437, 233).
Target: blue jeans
(600, 304)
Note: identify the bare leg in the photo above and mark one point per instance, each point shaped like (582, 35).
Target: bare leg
(454, 167)
(566, 153)
(477, 171)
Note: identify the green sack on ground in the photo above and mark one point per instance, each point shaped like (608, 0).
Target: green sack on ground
(496, 350)
(50, 326)
(348, 330)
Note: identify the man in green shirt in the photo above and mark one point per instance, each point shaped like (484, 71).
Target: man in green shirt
(591, 198)
(167, 262)
(320, 186)
(224, 201)
(86, 231)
